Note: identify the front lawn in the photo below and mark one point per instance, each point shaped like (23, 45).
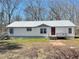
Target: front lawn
(39, 48)
(69, 42)
(28, 40)
(24, 40)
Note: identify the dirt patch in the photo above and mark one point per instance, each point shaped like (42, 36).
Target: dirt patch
(41, 50)
(57, 43)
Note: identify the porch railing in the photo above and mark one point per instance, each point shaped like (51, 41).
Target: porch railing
(61, 34)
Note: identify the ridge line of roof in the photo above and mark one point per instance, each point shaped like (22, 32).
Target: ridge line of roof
(39, 21)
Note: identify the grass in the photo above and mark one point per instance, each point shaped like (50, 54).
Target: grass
(26, 40)
(43, 40)
(38, 48)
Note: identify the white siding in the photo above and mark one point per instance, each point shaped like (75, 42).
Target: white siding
(64, 31)
(73, 32)
(24, 32)
(60, 31)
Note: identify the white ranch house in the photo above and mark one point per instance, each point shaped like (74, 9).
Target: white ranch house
(58, 28)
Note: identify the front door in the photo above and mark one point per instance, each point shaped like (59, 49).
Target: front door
(52, 30)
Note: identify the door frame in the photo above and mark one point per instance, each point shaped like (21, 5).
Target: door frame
(53, 30)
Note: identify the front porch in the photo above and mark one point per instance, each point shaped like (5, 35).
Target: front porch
(60, 36)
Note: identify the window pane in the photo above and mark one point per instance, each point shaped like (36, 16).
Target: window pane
(45, 30)
(29, 29)
(11, 31)
(41, 31)
(70, 30)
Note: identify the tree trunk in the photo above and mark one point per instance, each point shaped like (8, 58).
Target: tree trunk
(9, 18)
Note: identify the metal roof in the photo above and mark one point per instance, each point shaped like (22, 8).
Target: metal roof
(56, 23)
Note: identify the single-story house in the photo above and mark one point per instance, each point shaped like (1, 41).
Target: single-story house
(57, 28)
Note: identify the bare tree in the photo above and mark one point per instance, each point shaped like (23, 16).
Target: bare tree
(17, 18)
(55, 9)
(1, 20)
(61, 10)
(34, 11)
(9, 7)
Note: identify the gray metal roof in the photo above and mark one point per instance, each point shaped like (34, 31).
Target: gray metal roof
(56, 23)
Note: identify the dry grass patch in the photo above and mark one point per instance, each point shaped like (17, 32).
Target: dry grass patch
(57, 43)
(53, 49)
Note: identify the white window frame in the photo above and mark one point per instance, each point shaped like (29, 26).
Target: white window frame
(29, 29)
(11, 31)
(43, 30)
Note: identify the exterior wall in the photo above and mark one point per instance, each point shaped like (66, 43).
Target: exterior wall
(63, 32)
(24, 32)
(60, 32)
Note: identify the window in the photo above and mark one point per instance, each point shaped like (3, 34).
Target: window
(43, 31)
(29, 29)
(70, 30)
(11, 31)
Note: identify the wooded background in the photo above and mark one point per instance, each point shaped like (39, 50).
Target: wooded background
(38, 10)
